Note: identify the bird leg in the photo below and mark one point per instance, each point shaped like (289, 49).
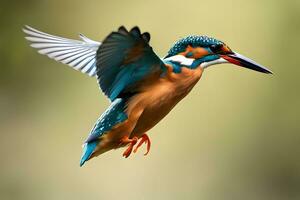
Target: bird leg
(126, 140)
(143, 139)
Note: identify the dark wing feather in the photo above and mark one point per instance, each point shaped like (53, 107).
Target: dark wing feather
(123, 59)
(146, 36)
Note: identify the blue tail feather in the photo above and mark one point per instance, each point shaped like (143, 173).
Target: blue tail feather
(112, 116)
(88, 149)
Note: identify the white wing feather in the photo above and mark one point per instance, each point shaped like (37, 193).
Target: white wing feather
(80, 55)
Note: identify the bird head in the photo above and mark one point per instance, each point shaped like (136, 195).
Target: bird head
(203, 51)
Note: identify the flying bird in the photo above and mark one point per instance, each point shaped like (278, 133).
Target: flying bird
(142, 87)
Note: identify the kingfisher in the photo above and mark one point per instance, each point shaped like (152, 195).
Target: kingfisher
(142, 87)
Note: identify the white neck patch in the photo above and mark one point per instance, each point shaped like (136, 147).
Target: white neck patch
(181, 60)
(189, 61)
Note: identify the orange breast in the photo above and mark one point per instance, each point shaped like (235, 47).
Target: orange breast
(158, 98)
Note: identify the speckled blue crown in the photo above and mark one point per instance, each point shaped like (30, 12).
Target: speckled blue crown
(193, 40)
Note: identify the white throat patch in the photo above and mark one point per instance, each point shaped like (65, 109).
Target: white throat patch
(180, 59)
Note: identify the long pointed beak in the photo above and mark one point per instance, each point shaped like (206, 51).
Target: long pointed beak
(243, 61)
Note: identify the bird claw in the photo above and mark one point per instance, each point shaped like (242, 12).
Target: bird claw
(144, 139)
(127, 152)
(131, 142)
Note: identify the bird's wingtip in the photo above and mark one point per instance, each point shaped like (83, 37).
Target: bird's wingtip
(24, 28)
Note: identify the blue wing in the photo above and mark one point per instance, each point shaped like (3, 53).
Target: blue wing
(123, 59)
(113, 115)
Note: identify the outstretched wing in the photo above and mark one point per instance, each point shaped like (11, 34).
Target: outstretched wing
(125, 59)
(80, 55)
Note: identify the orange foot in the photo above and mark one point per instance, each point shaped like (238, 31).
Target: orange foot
(131, 143)
(143, 139)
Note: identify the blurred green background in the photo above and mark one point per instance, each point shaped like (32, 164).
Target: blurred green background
(236, 136)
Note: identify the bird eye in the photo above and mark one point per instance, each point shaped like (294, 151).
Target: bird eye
(216, 48)
(220, 49)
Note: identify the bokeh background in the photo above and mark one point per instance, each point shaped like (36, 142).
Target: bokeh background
(236, 136)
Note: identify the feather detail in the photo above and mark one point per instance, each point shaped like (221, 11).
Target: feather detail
(80, 55)
(123, 59)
